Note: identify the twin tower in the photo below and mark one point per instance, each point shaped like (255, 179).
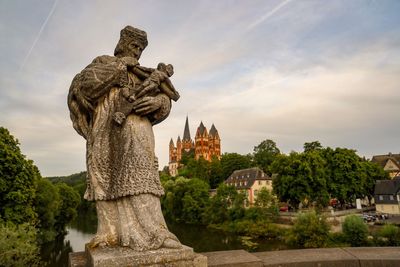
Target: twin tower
(206, 145)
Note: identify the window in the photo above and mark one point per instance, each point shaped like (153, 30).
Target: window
(259, 182)
(391, 197)
(380, 197)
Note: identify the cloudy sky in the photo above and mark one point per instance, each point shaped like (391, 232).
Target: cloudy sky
(291, 71)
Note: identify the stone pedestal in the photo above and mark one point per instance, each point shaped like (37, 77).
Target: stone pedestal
(126, 257)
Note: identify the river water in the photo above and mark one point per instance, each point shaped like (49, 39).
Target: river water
(200, 238)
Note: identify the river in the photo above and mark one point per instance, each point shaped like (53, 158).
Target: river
(200, 238)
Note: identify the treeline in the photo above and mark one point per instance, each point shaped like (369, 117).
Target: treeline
(32, 209)
(309, 178)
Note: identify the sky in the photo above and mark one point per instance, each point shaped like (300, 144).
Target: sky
(291, 71)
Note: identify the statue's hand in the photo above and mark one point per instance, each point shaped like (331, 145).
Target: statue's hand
(147, 105)
(130, 61)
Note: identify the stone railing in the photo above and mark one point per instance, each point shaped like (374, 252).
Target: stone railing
(322, 257)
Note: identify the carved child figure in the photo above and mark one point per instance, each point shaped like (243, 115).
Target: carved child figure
(155, 82)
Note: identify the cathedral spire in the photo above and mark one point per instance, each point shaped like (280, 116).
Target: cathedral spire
(186, 132)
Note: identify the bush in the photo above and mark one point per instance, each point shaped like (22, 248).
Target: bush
(355, 231)
(18, 245)
(310, 230)
(391, 233)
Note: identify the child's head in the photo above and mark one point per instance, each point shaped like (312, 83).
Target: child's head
(168, 69)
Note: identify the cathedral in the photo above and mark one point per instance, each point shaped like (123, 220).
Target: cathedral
(206, 144)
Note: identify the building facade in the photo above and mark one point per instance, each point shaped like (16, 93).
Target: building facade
(206, 144)
(387, 196)
(390, 163)
(250, 181)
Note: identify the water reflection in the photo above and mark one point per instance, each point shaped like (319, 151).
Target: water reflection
(200, 238)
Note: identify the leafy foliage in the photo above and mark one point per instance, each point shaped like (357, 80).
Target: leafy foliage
(185, 199)
(265, 153)
(70, 200)
(355, 231)
(18, 245)
(18, 181)
(391, 233)
(310, 230)
(233, 161)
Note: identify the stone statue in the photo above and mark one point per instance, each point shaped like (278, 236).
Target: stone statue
(113, 103)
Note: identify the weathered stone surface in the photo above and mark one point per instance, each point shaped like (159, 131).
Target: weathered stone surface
(324, 257)
(376, 256)
(124, 257)
(235, 258)
(113, 103)
(77, 259)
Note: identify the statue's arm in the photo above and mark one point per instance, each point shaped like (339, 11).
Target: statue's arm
(168, 88)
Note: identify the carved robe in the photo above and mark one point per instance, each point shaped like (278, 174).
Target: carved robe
(120, 158)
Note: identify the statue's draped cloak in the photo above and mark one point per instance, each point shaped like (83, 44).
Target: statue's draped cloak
(120, 158)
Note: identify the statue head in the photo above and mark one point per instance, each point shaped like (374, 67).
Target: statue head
(131, 43)
(168, 69)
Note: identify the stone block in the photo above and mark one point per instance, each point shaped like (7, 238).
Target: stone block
(325, 257)
(376, 256)
(234, 258)
(126, 257)
(77, 259)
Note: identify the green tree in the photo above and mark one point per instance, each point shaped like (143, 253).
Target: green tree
(70, 200)
(18, 245)
(216, 175)
(185, 199)
(218, 209)
(371, 172)
(310, 230)
(355, 231)
(47, 207)
(18, 180)
(391, 233)
(267, 203)
(301, 178)
(312, 146)
(233, 161)
(265, 153)
(345, 174)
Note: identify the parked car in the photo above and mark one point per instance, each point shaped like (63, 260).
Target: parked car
(284, 208)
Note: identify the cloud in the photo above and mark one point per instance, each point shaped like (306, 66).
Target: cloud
(268, 14)
(315, 71)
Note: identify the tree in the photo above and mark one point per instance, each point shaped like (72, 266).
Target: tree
(218, 209)
(18, 180)
(344, 174)
(185, 199)
(47, 204)
(310, 230)
(233, 161)
(301, 178)
(371, 172)
(70, 200)
(391, 233)
(18, 245)
(267, 203)
(216, 175)
(312, 146)
(355, 231)
(265, 153)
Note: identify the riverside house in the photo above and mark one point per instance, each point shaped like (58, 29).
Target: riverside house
(387, 196)
(250, 181)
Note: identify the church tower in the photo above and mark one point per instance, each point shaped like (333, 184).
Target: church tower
(201, 142)
(206, 145)
(187, 143)
(214, 143)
